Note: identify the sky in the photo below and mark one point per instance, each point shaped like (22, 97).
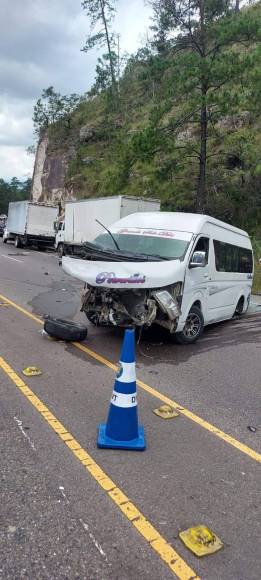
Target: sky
(40, 42)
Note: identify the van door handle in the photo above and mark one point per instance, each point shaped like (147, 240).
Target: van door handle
(206, 275)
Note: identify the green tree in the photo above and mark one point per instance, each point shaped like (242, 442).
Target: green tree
(101, 13)
(204, 37)
(15, 190)
(53, 107)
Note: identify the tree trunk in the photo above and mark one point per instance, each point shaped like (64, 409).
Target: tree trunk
(201, 186)
(237, 6)
(113, 79)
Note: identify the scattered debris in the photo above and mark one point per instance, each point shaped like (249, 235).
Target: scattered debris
(32, 372)
(201, 540)
(61, 488)
(166, 412)
(11, 529)
(22, 429)
(93, 539)
(251, 428)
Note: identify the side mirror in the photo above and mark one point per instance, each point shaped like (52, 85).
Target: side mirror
(198, 260)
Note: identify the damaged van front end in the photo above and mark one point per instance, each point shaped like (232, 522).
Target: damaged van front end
(130, 285)
(137, 307)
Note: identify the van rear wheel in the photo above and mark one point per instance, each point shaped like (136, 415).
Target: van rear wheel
(240, 307)
(193, 327)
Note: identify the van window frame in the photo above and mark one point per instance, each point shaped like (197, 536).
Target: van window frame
(238, 254)
(206, 237)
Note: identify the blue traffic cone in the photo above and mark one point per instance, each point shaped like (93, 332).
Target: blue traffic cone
(122, 430)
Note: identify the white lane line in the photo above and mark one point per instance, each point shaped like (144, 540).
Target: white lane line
(9, 258)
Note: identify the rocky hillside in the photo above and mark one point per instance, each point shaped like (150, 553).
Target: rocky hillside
(133, 146)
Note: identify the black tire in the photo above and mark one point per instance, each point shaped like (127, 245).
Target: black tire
(60, 250)
(5, 241)
(65, 329)
(193, 327)
(18, 243)
(240, 307)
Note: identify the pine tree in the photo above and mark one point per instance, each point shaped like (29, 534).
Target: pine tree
(204, 36)
(101, 13)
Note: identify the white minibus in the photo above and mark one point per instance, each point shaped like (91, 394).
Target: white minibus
(181, 271)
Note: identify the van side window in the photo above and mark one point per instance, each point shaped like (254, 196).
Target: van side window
(202, 245)
(230, 258)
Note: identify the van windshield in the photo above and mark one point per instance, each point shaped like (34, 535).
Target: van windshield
(167, 245)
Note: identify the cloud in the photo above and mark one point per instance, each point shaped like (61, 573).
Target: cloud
(14, 161)
(40, 46)
(15, 122)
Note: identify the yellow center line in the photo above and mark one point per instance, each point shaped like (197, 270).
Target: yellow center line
(157, 394)
(165, 551)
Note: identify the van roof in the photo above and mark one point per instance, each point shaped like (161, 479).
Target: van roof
(179, 221)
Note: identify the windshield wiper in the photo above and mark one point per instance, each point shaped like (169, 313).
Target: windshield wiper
(97, 252)
(159, 257)
(112, 237)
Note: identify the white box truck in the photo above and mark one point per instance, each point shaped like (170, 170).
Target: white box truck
(31, 223)
(80, 225)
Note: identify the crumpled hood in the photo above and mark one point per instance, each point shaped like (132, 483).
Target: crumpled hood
(124, 274)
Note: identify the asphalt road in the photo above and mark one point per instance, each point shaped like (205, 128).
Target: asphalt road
(62, 515)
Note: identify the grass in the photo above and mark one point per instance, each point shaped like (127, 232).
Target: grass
(257, 278)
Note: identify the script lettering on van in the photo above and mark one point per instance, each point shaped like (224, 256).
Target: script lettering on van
(111, 278)
(148, 232)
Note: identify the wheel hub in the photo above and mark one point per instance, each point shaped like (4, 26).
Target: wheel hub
(192, 326)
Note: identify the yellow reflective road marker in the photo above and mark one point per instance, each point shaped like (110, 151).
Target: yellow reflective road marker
(166, 412)
(165, 551)
(32, 372)
(201, 541)
(157, 394)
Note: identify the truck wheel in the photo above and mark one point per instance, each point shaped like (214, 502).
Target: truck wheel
(65, 329)
(193, 327)
(60, 250)
(18, 243)
(4, 240)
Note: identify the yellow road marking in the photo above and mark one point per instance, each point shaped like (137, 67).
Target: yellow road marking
(132, 513)
(21, 309)
(157, 394)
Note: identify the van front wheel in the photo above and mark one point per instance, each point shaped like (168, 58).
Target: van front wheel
(193, 327)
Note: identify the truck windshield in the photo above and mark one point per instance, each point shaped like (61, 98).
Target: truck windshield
(168, 247)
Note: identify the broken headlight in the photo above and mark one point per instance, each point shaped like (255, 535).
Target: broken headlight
(168, 304)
